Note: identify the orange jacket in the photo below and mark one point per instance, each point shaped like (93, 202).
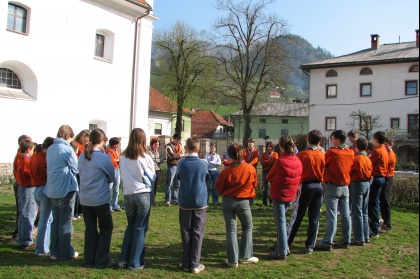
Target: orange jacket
(38, 168)
(225, 161)
(313, 163)
(362, 167)
(267, 162)
(81, 148)
(338, 163)
(23, 172)
(379, 159)
(392, 162)
(115, 156)
(251, 156)
(237, 181)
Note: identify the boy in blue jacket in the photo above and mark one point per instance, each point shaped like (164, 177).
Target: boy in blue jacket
(193, 176)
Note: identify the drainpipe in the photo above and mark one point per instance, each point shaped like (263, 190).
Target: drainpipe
(134, 71)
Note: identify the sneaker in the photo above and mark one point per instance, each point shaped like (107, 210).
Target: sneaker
(198, 269)
(122, 265)
(27, 247)
(230, 265)
(136, 268)
(111, 263)
(110, 210)
(308, 250)
(275, 256)
(357, 243)
(54, 258)
(323, 247)
(76, 254)
(372, 235)
(344, 245)
(175, 203)
(117, 209)
(42, 255)
(252, 260)
(367, 240)
(167, 203)
(384, 228)
(183, 268)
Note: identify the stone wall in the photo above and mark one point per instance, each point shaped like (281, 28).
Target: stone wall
(6, 173)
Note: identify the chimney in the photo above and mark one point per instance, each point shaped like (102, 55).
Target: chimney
(417, 37)
(374, 41)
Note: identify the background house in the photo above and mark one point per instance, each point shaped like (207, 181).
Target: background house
(72, 63)
(380, 81)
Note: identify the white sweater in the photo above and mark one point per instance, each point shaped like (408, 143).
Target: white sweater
(137, 175)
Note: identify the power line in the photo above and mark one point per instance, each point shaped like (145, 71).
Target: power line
(371, 102)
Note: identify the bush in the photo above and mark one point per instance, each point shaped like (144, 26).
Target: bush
(405, 192)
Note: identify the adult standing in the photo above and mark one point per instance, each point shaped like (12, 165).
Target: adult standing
(61, 188)
(268, 159)
(353, 135)
(214, 161)
(153, 151)
(236, 184)
(174, 152)
(251, 153)
(81, 139)
(138, 174)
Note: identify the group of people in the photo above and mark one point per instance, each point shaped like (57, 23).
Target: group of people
(59, 169)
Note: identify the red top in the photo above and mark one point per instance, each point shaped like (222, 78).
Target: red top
(313, 163)
(237, 181)
(267, 161)
(81, 148)
(285, 177)
(362, 168)
(16, 162)
(23, 172)
(338, 163)
(251, 156)
(392, 162)
(38, 168)
(226, 162)
(115, 157)
(379, 159)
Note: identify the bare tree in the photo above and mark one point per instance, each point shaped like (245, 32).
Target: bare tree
(183, 62)
(365, 123)
(250, 57)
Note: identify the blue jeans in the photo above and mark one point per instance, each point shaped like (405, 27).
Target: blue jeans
(214, 174)
(374, 204)
(97, 244)
(337, 197)
(45, 219)
(27, 214)
(240, 208)
(359, 192)
(115, 190)
(62, 227)
(137, 210)
(171, 180)
(280, 209)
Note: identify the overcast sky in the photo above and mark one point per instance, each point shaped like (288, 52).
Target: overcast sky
(341, 27)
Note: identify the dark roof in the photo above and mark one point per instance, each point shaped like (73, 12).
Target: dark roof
(384, 54)
(141, 3)
(205, 123)
(280, 109)
(159, 102)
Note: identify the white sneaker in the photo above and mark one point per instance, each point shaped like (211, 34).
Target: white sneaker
(252, 260)
(76, 254)
(229, 264)
(167, 203)
(198, 269)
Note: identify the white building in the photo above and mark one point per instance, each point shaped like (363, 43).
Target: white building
(380, 81)
(85, 63)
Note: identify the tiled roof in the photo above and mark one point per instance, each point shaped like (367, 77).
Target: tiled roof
(159, 102)
(205, 123)
(280, 109)
(384, 54)
(141, 3)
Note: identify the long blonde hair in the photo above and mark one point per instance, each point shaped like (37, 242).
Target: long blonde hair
(136, 144)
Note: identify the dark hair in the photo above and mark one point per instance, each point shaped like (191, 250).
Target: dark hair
(361, 144)
(74, 144)
(286, 142)
(370, 146)
(380, 137)
(136, 144)
(23, 137)
(251, 140)
(114, 141)
(65, 132)
(48, 141)
(314, 137)
(268, 144)
(236, 151)
(390, 140)
(193, 144)
(340, 135)
(95, 137)
(176, 136)
(353, 133)
(153, 141)
(25, 144)
(81, 135)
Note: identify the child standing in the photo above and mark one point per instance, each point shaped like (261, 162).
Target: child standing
(114, 154)
(213, 160)
(267, 161)
(193, 175)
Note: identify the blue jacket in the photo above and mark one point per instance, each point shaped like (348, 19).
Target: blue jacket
(61, 170)
(193, 174)
(95, 176)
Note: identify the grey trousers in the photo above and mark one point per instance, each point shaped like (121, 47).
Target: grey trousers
(192, 224)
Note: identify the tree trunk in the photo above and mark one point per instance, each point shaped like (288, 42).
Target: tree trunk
(247, 128)
(178, 126)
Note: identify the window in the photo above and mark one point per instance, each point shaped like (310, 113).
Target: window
(104, 45)
(9, 79)
(285, 121)
(365, 71)
(284, 132)
(158, 129)
(365, 123)
(331, 73)
(411, 87)
(395, 123)
(262, 120)
(332, 91)
(16, 18)
(93, 127)
(330, 123)
(413, 126)
(414, 69)
(365, 90)
(262, 133)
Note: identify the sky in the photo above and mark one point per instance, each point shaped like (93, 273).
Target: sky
(340, 27)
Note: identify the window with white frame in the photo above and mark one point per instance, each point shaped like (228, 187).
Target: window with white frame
(395, 123)
(332, 73)
(331, 91)
(365, 123)
(17, 18)
(158, 129)
(330, 123)
(411, 87)
(365, 90)
(104, 45)
(9, 79)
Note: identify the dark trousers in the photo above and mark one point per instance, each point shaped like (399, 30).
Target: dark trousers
(15, 191)
(192, 224)
(97, 244)
(386, 201)
(309, 198)
(374, 204)
(155, 185)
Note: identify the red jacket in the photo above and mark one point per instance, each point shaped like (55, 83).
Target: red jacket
(338, 163)
(115, 157)
(313, 163)
(237, 181)
(379, 158)
(267, 162)
(38, 167)
(285, 177)
(251, 156)
(392, 161)
(361, 169)
(23, 172)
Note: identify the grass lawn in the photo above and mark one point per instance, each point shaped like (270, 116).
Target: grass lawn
(393, 255)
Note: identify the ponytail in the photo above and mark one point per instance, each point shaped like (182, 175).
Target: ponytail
(286, 142)
(88, 150)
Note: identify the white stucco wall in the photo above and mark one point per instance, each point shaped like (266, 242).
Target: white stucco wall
(388, 83)
(69, 85)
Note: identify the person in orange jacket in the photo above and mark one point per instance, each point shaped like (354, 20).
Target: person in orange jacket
(251, 154)
(267, 161)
